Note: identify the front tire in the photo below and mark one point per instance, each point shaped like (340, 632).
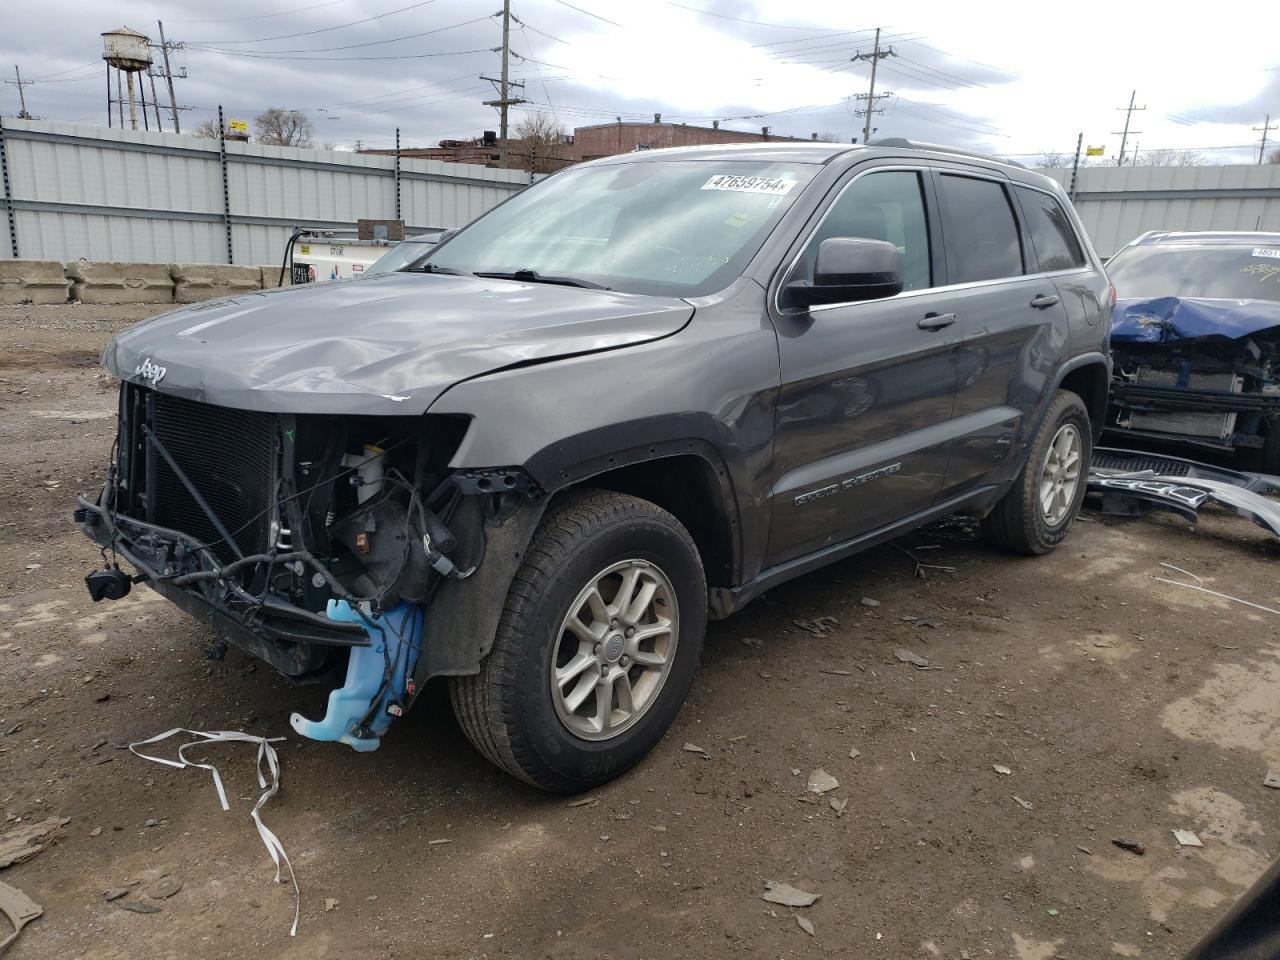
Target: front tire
(1036, 513)
(597, 646)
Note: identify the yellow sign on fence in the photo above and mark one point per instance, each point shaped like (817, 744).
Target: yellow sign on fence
(239, 126)
(1095, 151)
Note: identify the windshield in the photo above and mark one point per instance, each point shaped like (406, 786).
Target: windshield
(401, 255)
(673, 227)
(1209, 271)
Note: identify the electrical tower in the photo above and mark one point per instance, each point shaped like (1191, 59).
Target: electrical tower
(1262, 150)
(1124, 134)
(874, 57)
(505, 101)
(22, 97)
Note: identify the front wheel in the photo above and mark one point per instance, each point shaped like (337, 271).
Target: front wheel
(1036, 513)
(597, 646)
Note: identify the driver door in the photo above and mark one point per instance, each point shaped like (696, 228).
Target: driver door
(868, 387)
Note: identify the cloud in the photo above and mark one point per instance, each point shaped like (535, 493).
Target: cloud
(1002, 82)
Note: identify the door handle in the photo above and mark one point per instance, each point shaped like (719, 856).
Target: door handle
(936, 321)
(1044, 303)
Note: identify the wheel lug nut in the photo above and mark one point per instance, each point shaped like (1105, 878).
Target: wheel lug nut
(597, 649)
(630, 632)
(614, 624)
(625, 661)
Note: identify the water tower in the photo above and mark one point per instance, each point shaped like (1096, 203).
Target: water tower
(127, 52)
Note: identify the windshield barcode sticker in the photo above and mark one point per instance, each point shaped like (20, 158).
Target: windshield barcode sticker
(1272, 252)
(775, 186)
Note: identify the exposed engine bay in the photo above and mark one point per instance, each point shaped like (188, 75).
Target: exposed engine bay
(1205, 372)
(311, 541)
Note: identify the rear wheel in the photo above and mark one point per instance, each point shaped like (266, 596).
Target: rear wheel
(597, 646)
(1036, 513)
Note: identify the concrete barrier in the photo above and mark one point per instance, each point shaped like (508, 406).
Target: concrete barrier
(111, 282)
(271, 277)
(193, 282)
(32, 281)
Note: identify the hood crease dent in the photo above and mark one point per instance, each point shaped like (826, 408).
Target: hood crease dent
(1173, 319)
(382, 345)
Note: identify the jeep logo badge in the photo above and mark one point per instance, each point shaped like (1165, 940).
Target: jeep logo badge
(150, 372)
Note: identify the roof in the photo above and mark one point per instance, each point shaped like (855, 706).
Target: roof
(794, 151)
(811, 151)
(1208, 236)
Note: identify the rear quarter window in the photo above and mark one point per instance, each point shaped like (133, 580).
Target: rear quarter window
(1052, 235)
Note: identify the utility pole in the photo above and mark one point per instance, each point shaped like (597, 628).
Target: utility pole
(155, 101)
(1124, 135)
(168, 75)
(1262, 150)
(875, 56)
(505, 101)
(22, 97)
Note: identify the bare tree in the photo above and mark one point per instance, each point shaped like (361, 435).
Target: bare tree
(1274, 156)
(285, 128)
(1166, 157)
(206, 129)
(541, 146)
(1054, 160)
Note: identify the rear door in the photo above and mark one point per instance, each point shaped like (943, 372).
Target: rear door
(867, 388)
(1011, 325)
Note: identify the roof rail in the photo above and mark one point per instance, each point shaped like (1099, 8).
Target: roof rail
(940, 147)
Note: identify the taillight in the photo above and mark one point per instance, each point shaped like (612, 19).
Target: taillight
(1112, 291)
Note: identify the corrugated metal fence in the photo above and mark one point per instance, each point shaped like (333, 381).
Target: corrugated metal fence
(74, 191)
(87, 192)
(1119, 203)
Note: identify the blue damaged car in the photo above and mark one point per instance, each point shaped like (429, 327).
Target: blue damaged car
(1195, 341)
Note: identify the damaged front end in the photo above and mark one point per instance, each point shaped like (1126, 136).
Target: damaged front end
(1204, 372)
(311, 541)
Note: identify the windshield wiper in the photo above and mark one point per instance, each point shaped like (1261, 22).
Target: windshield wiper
(432, 268)
(532, 276)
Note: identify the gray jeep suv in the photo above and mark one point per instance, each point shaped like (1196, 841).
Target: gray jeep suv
(636, 395)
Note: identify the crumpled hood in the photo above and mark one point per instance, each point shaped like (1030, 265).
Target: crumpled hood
(382, 345)
(1170, 319)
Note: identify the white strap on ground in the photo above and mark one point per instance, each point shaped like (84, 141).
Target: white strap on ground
(269, 782)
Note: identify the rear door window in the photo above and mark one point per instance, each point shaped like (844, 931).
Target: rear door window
(1052, 234)
(979, 228)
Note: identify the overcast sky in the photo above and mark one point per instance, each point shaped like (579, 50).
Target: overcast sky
(1013, 79)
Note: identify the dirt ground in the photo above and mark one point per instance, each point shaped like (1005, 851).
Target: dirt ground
(1122, 707)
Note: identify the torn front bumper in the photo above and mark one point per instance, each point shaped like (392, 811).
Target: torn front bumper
(299, 643)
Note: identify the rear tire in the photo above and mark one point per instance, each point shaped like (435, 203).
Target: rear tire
(543, 705)
(1036, 513)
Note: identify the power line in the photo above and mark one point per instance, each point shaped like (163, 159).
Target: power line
(386, 56)
(340, 26)
(367, 43)
(265, 16)
(530, 26)
(596, 16)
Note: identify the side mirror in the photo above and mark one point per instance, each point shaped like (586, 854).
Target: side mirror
(850, 269)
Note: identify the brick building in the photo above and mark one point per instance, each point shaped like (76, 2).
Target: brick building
(586, 143)
(607, 139)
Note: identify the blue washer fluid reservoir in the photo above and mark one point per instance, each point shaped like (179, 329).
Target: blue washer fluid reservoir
(394, 637)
